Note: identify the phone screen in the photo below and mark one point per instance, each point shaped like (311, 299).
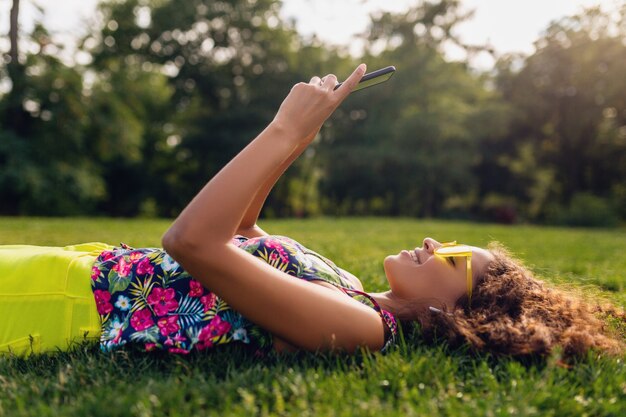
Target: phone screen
(373, 78)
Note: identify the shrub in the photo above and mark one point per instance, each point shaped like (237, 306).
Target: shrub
(500, 208)
(585, 210)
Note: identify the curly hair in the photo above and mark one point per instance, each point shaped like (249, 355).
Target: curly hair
(513, 313)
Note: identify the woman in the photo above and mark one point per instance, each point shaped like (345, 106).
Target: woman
(160, 299)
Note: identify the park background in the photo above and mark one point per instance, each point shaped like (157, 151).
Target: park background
(152, 97)
(155, 96)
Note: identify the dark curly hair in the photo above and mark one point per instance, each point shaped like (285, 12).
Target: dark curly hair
(513, 313)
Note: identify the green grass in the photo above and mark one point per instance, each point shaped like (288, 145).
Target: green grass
(413, 379)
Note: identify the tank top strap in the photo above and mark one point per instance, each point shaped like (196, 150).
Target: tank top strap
(374, 302)
(387, 317)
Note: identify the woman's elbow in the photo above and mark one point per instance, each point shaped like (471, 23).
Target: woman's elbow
(178, 245)
(172, 242)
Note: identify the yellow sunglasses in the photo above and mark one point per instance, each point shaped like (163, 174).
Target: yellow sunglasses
(451, 249)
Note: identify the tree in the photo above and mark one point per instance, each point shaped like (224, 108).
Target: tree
(43, 169)
(569, 132)
(229, 64)
(412, 149)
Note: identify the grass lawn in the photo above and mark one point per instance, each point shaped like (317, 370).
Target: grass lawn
(412, 379)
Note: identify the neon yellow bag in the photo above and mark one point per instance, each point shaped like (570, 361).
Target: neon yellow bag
(46, 302)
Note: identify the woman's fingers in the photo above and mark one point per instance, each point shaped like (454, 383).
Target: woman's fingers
(308, 105)
(354, 78)
(329, 82)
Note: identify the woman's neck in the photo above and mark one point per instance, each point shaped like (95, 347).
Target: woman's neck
(403, 309)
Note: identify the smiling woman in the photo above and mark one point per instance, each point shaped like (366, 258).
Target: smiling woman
(511, 312)
(220, 278)
(438, 266)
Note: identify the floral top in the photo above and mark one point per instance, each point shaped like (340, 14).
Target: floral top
(143, 296)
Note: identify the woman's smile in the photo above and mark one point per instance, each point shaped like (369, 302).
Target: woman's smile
(412, 254)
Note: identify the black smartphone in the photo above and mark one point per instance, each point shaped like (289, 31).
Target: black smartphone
(373, 78)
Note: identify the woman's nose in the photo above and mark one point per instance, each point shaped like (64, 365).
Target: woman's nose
(430, 244)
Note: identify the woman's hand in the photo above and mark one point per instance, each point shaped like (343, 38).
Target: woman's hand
(307, 106)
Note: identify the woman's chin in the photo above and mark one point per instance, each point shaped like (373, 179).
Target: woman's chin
(386, 263)
(393, 258)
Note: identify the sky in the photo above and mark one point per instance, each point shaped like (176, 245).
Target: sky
(508, 25)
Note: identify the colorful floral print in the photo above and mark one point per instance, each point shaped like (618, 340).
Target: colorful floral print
(144, 297)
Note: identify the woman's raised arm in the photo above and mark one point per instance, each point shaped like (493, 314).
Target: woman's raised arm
(304, 314)
(214, 215)
(248, 226)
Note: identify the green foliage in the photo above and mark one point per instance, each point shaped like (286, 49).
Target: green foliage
(229, 65)
(45, 165)
(585, 210)
(567, 135)
(408, 142)
(412, 379)
(173, 90)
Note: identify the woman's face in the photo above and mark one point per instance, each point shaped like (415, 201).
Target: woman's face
(422, 275)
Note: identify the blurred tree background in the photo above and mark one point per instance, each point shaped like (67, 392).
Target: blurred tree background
(173, 90)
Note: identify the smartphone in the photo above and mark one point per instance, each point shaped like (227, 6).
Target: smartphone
(373, 78)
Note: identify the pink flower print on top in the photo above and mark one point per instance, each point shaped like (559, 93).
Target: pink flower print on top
(208, 301)
(145, 267)
(178, 350)
(106, 255)
(278, 247)
(141, 319)
(95, 272)
(176, 341)
(195, 288)
(168, 325)
(214, 329)
(163, 300)
(136, 257)
(102, 301)
(122, 267)
(272, 243)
